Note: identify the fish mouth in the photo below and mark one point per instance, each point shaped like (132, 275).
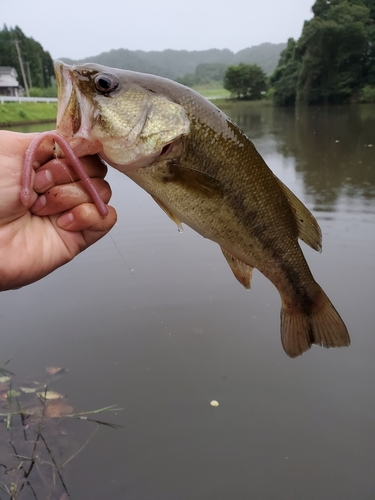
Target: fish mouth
(74, 113)
(64, 79)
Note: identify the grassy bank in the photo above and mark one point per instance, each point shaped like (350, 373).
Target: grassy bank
(212, 91)
(221, 97)
(12, 113)
(24, 113)
(239, 103)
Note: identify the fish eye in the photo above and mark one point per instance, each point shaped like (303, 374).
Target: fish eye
(105, 83)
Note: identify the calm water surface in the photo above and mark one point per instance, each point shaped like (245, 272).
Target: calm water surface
(153, 321)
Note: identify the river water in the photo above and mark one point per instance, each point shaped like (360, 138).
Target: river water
(153, 321)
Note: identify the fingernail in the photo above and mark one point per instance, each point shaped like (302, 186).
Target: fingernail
(39, 204)
(43, 180)
(65, 220)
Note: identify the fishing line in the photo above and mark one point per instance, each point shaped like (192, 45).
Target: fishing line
(57, 154)
(121, 255)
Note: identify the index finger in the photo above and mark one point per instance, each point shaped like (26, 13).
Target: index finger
(59, 171)
(15, 144)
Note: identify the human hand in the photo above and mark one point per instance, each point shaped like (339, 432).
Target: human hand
(59, 222)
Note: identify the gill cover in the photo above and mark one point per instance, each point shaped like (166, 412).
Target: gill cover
(109, 112)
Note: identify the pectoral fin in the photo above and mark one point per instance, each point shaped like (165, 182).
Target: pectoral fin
(308, 227)
(170, 214)
(197, 181)
(243, 272)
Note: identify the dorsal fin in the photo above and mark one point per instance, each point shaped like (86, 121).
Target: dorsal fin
(242, 271)
(308, 227)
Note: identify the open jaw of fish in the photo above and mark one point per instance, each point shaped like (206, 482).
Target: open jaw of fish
(203, 171)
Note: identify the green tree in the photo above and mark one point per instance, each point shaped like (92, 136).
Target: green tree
(369, 64)
(285, 78)
(38, 62)
(334, 45)
(245, 81)
(333, 60)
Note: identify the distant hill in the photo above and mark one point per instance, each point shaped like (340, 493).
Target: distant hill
(177, 63)
(265, 55)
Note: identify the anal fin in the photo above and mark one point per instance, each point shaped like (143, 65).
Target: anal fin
(243, 272)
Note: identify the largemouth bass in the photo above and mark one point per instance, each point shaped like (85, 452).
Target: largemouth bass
(203, 171)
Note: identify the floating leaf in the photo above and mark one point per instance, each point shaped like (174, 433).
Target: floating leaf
(49, 395)
(4, 379)
(13, 393)
(214, 403)
(55, 370)
(57, 408)
(29, 390)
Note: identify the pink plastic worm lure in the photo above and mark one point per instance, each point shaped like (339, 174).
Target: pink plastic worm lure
(74, 161)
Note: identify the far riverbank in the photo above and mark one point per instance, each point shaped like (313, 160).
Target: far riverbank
(27, 113)
(30, 113)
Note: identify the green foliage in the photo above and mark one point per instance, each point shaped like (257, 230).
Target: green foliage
(35, 59)
(333, 59)
(205, 73)
(246, 81)
(285, 78)
(333, 47)
(210, 71)
(44, 92)
(367, 94)
(189, 80)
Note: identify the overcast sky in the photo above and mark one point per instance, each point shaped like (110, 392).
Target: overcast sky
(81, 28)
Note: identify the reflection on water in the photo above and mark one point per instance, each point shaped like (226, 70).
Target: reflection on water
(332, 149)
(153, 321)
(326, 155)
(39, 127)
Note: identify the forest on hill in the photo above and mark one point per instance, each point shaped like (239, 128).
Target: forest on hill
(332, 62)
(175, 64)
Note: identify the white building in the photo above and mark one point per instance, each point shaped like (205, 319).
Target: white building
(9, 85)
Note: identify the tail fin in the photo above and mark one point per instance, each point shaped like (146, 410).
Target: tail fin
(323, 326)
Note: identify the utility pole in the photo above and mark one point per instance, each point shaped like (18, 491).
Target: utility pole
(22, 69)
(29, 74)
